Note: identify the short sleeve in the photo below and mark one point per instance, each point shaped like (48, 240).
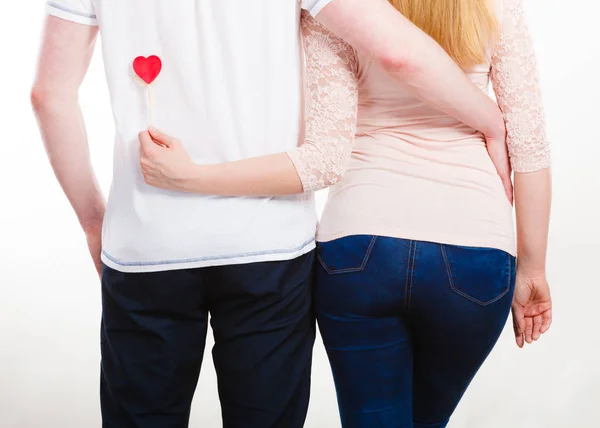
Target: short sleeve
(79, 11)
(314, 6)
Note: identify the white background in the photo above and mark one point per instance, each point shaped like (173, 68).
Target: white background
(50, 296)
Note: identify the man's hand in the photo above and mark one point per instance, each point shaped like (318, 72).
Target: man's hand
(94, 242)
(532, 306)
(498, 151)
(165, 163)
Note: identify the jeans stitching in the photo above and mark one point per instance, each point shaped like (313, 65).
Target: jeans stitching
(462, 293)
(412, 274)
(349, 270)
(509, 274)
(410, 243)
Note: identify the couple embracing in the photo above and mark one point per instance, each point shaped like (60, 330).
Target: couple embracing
(413, 268)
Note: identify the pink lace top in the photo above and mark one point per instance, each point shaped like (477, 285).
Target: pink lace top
(412, 171)
(331, 101)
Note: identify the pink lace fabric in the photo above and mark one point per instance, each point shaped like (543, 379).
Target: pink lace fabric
(331, 104)
(516, 85)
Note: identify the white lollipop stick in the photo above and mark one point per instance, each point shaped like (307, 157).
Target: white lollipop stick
(150, 105)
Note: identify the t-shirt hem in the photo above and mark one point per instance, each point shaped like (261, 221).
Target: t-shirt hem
(208, 261)
(69, 14)
(449, 239)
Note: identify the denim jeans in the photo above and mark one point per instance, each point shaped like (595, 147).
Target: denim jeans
(407, 324)
(153, 333)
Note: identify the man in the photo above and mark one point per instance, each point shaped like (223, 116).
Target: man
(229, 88)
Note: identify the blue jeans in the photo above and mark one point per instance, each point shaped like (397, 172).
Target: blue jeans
(152, 340)
(407, 324)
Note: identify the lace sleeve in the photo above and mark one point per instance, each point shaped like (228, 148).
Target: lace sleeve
(516, 85)
(331, 102)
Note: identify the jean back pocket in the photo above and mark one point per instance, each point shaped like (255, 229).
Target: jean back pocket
(482, 275)
(346, 255)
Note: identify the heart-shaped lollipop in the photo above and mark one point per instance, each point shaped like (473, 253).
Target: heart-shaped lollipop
(148, 68)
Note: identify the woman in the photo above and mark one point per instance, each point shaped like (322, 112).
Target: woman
(417, 253)
(416, 247)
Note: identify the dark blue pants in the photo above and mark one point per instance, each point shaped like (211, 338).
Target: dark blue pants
(153, 335)
(407, 325)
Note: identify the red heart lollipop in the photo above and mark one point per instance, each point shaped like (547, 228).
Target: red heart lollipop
(147, 69)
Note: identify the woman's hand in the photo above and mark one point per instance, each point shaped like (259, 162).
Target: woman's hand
(532, 306)
(165, 163)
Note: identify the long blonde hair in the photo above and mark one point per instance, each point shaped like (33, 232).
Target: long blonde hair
(464, 28)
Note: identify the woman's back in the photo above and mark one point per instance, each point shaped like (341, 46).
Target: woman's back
(385, 102)
(417, 173)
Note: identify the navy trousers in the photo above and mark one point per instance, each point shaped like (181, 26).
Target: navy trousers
(407, 324)
(153, 336)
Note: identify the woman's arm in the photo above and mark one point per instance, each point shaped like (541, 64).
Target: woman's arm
(532, 303)
(533, 199)
(331, 101)
(515, 80)
(516, 84)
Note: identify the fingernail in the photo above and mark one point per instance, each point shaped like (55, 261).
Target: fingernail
(153, 129)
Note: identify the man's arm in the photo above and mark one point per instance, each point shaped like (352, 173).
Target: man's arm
(376, 28)
(65, 55)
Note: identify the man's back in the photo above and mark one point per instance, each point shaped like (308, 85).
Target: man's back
(229, 89)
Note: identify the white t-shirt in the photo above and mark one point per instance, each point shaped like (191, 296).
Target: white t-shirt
(230, 88)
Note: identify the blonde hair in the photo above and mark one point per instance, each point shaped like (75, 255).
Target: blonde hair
(464, 28)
